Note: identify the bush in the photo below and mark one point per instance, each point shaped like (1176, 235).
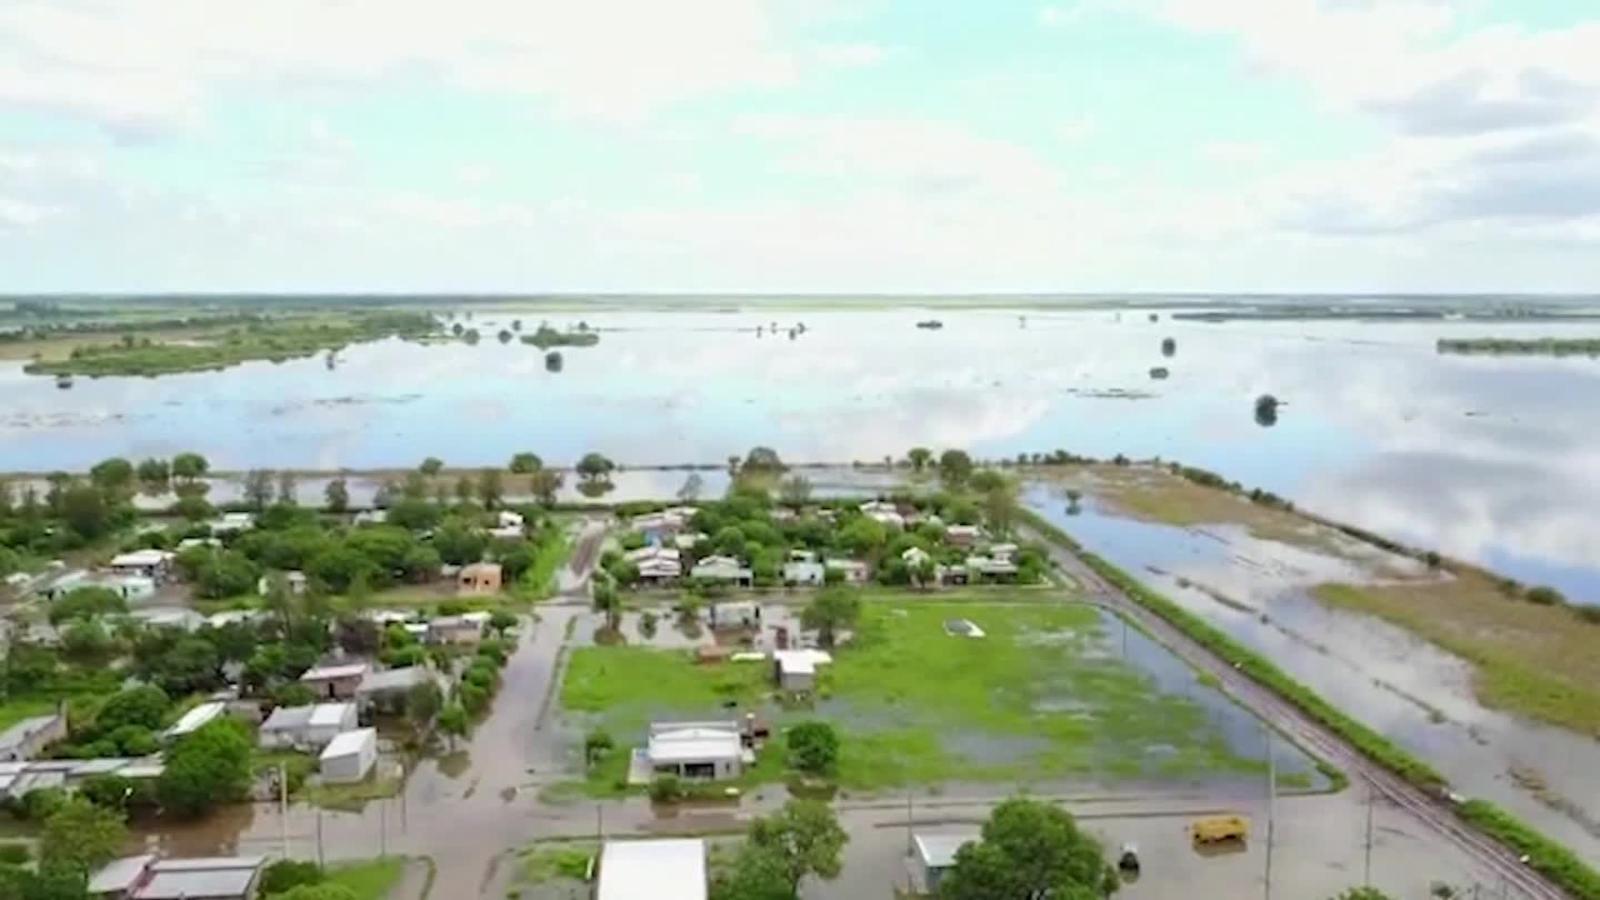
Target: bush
(40, 804)
(1546, 596)
(288, 874)
(15, 853)
(813, 748)
(666, 789)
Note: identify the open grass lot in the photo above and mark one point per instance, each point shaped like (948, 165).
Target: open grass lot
(370, 880)
(1042, 696)
(1540, 661)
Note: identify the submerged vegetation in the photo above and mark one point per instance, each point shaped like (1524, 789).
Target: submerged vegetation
(546, 337)
(1520, 346)
(274, 339)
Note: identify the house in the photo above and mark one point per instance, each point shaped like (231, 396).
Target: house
(853, 571)
(232, 523)
(1006, 552)
(195, 719)
(807, 574)
(479, 578)
(663, 869)
(152, 564)
(804, 556)
(129, 587)
(963, 535)
(703, 750)
(372, 517)
(58, 584)
(884, 513)
(933, 856)
(656, 564)
(349, 756)
(388, 689)
(295, 581)
(236, 617)
(508, 519)
(796, 670)
(688, 539)
(991, 568)
(466, 628)
(147, 877)
(661, 527)
(17, 779)
(735, 614)
(723, 569)
(28, 738)
(308, 727)
(191, 543)
(336, 682)
(169, 617)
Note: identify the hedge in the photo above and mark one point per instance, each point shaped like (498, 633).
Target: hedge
(1546, 856)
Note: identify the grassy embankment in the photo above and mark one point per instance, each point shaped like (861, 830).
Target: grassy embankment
(276, 340)
(1549, 857)
(1038, 698)
(370, 880)
(1520, 346)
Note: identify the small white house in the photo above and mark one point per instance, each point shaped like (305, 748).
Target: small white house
(309, 727)
(704, 750)
(295, 581)
(724, 569)
(232, 523)
(803, 574)
(668, 869)
(796, 670)
(372, 517)
(152, 564)
(853, 571)
(195, 719)
(349, 756)
(169, 617)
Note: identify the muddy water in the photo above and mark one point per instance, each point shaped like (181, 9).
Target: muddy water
(1408, 689)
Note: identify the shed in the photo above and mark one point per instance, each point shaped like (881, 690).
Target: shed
(349, 756)
(195, 719)
(796, 670)
(147, 563)
(935, 854)
(673, 869)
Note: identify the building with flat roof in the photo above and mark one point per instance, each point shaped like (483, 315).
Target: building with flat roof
(658, 869)
(308, 727)
(148, 877)
(336, 682)
(704, 750)
(796, 670)
(349, 756)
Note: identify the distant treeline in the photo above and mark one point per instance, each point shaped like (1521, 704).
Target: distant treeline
(1521, 347)
(34, 330)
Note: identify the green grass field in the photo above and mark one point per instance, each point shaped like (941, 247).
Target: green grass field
(1038, 698)
(370, 880)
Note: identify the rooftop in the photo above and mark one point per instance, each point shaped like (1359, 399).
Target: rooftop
(213, 876)
(694, 741)
(938, 851)
(120, 874)
(21, 731)
(658, 869)
(195, 718)
(330, 673)
(347, 743)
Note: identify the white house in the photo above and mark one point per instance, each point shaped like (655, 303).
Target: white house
(509, 519)
(657, 564)
(349, 756)
(169, 617)
(372, 517)
(853, 571)
(704, 750)
(796, 670)
(129, 587)
(734, 614)
(963, 535)
(935, 855)
(723, 569)
(667, 869)
(233, 522)
(884, 513)
(148, 877)
(805, 574)
(153, 564)
(308, 727)
(991, 568)
(195, 719)
(295, 581)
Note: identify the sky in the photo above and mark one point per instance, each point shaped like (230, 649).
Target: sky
(800, 146)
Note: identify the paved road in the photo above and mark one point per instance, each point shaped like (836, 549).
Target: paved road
(1435, 812)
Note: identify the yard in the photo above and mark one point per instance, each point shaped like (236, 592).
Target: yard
(1043, 696)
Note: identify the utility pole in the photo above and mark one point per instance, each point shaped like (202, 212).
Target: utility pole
(321, 861)
(1272, 798)
(283, 807)
(383, 828)
(1366, 877)
(909, 848)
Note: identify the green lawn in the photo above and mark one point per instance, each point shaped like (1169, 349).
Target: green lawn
(370, 880)
(1040, 697)
(16, 710)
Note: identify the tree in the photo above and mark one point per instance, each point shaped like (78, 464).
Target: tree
(1074, 498)
(206, 767)
(337, 495)
(544, 483)
(84, 509)
(1267, 410)
(919, 457)
(288, 488)
(762, 459)
(757, 873)
(257, 489)
(795, 490)
(112, 475)
(501, 622)
(190, 466)
(1029, 848)
(86, 603)
(1000, 508)
(955, 467)
(423, 702)
(459, 544)
(525, 463)
(1168, 346)
(431, 466)
(863, 536)
(813, 748)
(154, 472)
(82, 836)
(596, 744)
(986, 480)
(595, 467)
(609, 602)
(339, 566)
(490, 489)
(226, 574)
(806, 839)
(144, 706)
(831, 611)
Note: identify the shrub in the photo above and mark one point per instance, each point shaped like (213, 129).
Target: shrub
(1545, 596)
(287, 874)
(813, 748)
(666, 789)
(15, 853)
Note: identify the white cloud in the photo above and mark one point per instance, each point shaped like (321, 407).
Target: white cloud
(1235, 152)
(137, 67)
(1078, 128)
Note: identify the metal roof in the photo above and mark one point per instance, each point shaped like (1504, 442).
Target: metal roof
(350, 743)
(694, 743)
(938, 851)
(196, 718)
(209, 877)
(329, 713)
(24, 729)
(660, 870)
(120, 874)
(329, 673)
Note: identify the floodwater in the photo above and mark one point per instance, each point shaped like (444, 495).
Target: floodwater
(1408, 689)
(1488, 459)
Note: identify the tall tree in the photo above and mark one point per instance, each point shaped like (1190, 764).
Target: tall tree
(205, 768)
(258, 489)
(84, 509)
(490, 488)
(82, 836)
(525, 463)
(595, 467)
(1029, 849)
(337, 495)
(544, 483)
(831, 611)
(190, 466)
(955, 467)
(287, 485)
(112, 475)
(806, 838)
(795, 490)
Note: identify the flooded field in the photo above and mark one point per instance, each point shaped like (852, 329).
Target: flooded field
(1485, 458)
(1258, 589)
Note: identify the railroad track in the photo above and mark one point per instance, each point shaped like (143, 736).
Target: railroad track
(1434, 812)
